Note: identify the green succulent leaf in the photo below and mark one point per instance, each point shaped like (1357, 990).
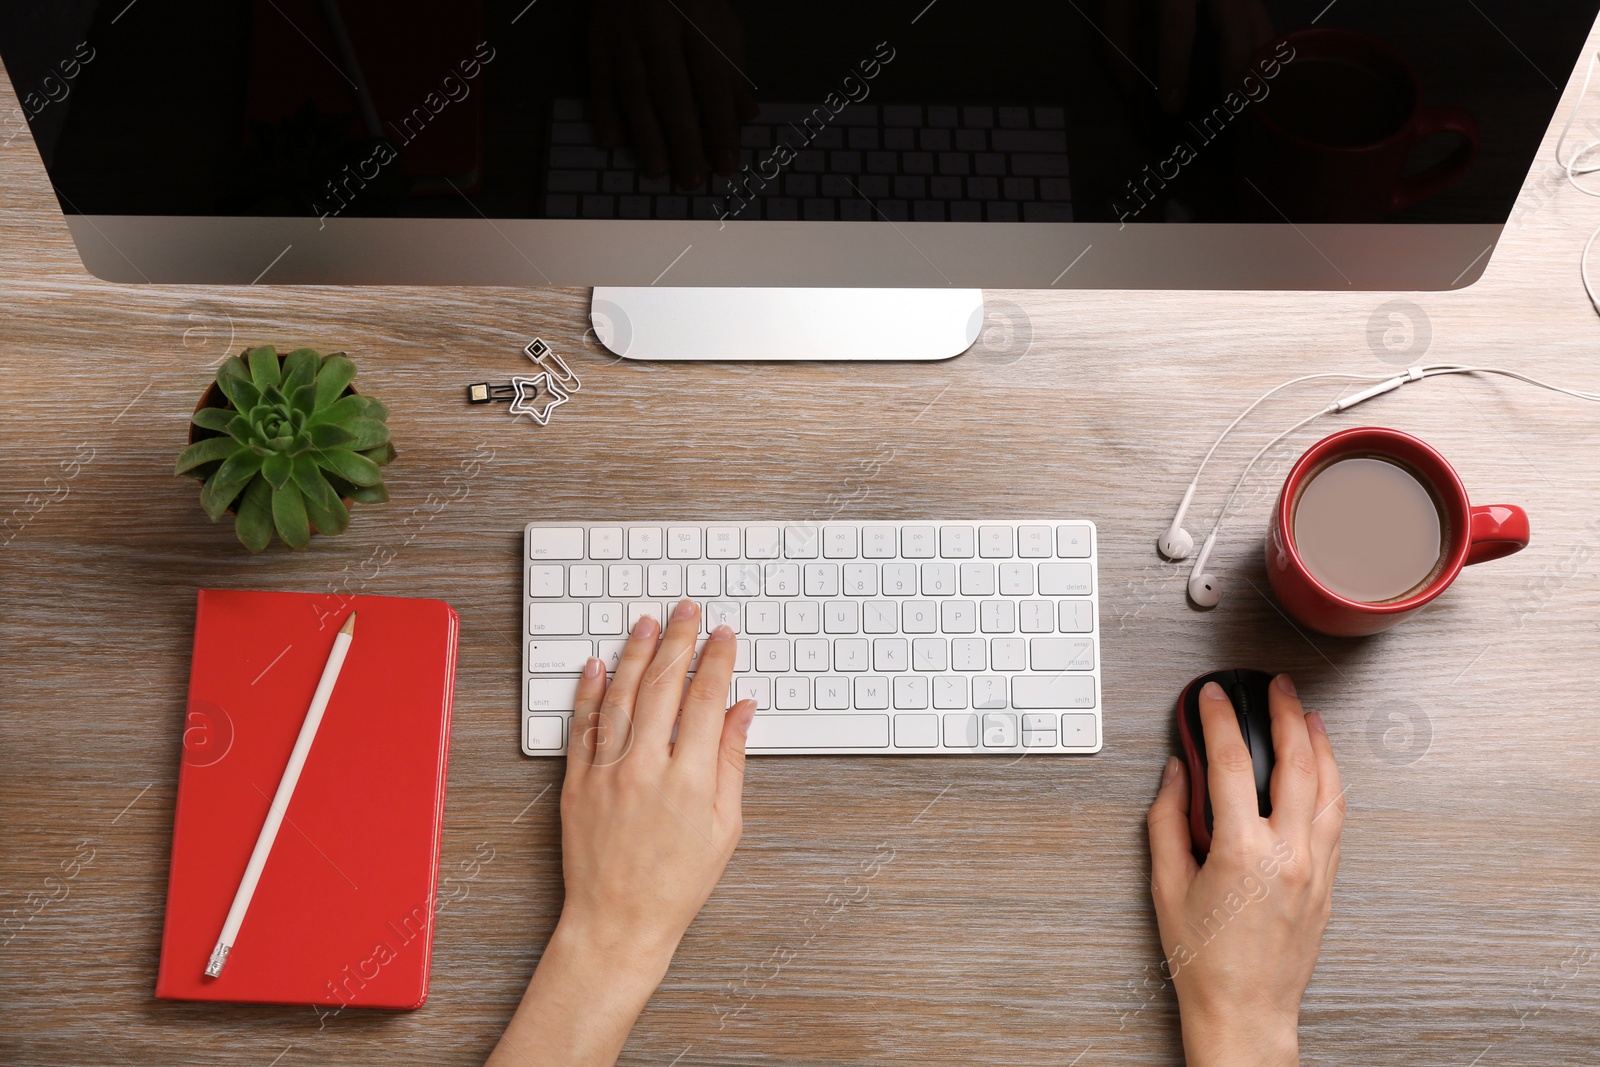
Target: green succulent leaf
(263, 366)
(365, 433)
(241, 393)
(303, 400)
(329, 436)
(224, 484)
(253, 522)
(323, 506)
(276, 469)
(239, 427)
(375, 410)
(233, 367)
(380, 455)
(354, 468)
(208, 451)
(289, 515)
(341, 410)
(333, 378)
(370, 494)
(340, 487)
(214, 419)
(299, 368)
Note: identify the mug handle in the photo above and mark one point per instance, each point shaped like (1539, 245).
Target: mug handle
(1430, 121)
(1496, 530)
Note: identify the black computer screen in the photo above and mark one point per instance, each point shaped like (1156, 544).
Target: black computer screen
(949, 110)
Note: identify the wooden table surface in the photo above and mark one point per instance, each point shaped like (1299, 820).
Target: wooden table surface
(1011, 922)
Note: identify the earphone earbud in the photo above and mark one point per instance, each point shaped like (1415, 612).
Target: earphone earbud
(1177, 542)
(1204, 588)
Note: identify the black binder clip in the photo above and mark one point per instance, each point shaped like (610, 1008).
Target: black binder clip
(536, 396)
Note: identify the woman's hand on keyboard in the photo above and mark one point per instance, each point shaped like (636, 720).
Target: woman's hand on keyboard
(647, 826)
(1241, 932)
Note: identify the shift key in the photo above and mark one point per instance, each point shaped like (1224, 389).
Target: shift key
(1052, 691)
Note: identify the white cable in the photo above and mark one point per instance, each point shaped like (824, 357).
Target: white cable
(1570, 165)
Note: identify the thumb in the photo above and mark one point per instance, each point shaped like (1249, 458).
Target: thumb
(1172, 863)
(730, 759)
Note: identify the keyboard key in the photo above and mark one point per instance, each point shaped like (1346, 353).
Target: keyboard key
(564, 618)
(558, 657)
(547, 581)
(542, 733)
(763, 617)
(644, 542)
(880, 617)
(832, 693)
(1038, 738)
(935, 140)
(841, 617)
(1043, 166)
(997, 616)
(1035, 212)
(977, 579)
(813, 654)
(586, 580)
(999, 730)
(900, 579)
(871, 692)
(916, 731)
(624, 580)
(1018, 188)
(966, 211)
(703, 580)
(988, 692)
(552, 694)
(958, 617)
(977, 116)
(605, 543)
(742, 579)
(1035, 541)
(995, 542)
(839, 542)
(722, 613)
(927, 211)
(547, 543)
(850, 654)
(1074, 540)
(1077, 617)
(957, 542)
(889, 654)
(918, 542)
(773, 655)
(723, 542)
(1064, 579)
(611, 653)
(782, 579)
(761, 542)
(802, 617)
(821, 579)
(1016, 579)
(949, 691)
(792, 693)
(1014, 118)
(640, 608)
(1038, 616)
(1028, 141)
(1061, 654)
(861, 579)
(960, 731)
(1052, 691)
(683, 542)
(1008, 654)
(930, 654)
(605, 617)
(801, 542)
(919, 617)
(911, 691)
(818, 731)
(1079, 731)
(969, 654)
(938, 579)
(754, 688)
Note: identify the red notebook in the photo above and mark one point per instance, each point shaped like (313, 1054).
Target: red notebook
(343, 913)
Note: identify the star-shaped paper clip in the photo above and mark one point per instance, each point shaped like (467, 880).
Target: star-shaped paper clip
(531, 403)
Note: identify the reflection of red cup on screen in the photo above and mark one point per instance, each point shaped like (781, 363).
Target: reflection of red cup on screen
(207, 733)
(1330, 139)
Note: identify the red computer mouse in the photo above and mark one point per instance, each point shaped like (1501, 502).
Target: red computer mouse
(1248, 691)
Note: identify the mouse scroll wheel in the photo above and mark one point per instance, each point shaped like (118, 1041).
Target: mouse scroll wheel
(1241, 700)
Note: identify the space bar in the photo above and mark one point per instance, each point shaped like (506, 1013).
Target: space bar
(818, 731)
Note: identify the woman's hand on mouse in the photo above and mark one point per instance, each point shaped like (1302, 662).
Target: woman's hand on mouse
(1241, 932)
(647, 826)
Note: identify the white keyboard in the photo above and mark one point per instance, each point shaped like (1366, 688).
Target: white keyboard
(910, 638)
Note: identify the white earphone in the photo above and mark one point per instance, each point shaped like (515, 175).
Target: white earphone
(1204, 588)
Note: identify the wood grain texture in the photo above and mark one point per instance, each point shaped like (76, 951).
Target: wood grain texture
(1008, 919)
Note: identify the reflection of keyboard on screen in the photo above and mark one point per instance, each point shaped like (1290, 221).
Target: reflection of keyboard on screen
(896, 161)
(870, 638)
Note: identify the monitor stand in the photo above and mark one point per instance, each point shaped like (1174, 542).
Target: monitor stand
(645, 322)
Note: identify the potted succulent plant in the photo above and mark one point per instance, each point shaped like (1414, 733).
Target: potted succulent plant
(286, 444)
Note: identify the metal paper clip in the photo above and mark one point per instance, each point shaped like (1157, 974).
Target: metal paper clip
(560, 374)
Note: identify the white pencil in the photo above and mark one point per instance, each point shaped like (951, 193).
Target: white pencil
(280, 801)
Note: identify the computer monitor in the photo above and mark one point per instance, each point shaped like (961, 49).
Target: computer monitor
(734, 153)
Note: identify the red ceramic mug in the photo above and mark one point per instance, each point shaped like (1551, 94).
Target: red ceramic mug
(1471, 534)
